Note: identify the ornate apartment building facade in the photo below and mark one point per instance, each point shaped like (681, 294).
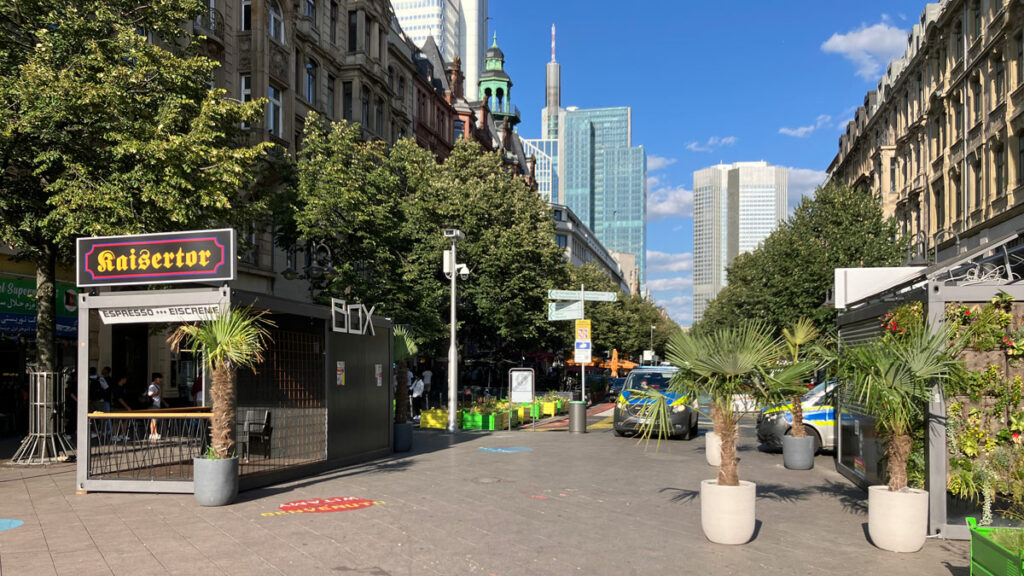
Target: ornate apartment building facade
(941, 140)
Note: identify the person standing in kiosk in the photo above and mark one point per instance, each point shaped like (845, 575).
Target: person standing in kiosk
(154, 392)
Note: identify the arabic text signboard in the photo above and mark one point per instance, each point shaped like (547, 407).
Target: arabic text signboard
(196, 256)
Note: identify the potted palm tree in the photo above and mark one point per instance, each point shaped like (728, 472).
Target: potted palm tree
(719, 365)
(404, 348)
(227, 341)
(798, 447)
(893, 381)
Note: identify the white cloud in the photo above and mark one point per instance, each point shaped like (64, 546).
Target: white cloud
(870, 48)
(668, 202)
(652, 182)
(679, 308)
(655, 162)
(666, 263)
(803, 182)
(712, 143)
(670, 284)
(801, 132)
(804, 131)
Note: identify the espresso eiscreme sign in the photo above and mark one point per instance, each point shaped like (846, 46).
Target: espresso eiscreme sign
(196, 256)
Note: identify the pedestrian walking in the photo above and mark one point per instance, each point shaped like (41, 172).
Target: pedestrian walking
(417, 397)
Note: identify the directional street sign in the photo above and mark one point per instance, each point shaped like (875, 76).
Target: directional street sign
(583, 352)
(565, 310)
(587, 295)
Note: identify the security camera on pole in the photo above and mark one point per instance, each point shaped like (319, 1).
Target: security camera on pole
(451, 271)
(573, 310)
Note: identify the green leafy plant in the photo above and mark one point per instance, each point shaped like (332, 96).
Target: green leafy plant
(802, 333)
(227, 341)
(405, 347)
(892, 380)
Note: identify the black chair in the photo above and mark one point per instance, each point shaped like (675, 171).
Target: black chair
(258, 432)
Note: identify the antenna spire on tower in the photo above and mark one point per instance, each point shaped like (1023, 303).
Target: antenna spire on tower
(552, 42)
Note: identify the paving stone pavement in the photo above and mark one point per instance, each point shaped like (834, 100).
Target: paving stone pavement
(591, 504)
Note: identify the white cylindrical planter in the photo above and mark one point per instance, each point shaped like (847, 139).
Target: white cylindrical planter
(727, 512)
(897, 521)
(713, 448)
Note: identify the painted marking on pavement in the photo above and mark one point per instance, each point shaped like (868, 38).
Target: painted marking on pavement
(508, 450)
(322, 506)
(606, 424)
(7, 524)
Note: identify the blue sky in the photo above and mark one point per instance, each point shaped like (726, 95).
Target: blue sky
(708, 82)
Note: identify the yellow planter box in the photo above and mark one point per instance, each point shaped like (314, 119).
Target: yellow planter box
(434, 419)
(549, 408)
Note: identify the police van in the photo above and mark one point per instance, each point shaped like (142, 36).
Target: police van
(819, 419)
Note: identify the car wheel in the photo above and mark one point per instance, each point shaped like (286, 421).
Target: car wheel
(695, 428)
(817, 438)
(619, 433)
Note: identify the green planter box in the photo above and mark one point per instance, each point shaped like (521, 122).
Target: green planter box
(989, 557)
(529, 411)
(471, 421)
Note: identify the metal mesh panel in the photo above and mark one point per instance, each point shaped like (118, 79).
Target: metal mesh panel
(122, 447)
(46, 440)
(282, 414)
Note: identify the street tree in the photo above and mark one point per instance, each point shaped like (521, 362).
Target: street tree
(790, 274)
(107, 126)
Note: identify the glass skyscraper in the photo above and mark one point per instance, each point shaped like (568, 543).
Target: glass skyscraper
(603, 179)
(735, 207)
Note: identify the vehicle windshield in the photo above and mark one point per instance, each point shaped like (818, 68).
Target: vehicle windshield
(816, 391)
(648, 379)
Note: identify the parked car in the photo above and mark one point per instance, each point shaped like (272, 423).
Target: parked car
(819, 419)
(682, 412)
(614, 388)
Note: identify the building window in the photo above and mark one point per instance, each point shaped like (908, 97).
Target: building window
(978, 185)
(353, 20)
(310, 10)
(976, 101)
(364, 118)
(246, 23)
(274, 116)
(892, 176)
(999, 165)
(245, 92)
(401, 87)
(940, 210)
(311, 71)
(330, 95)
(367, 36)
(276, 25)
(1020, 160)
(334, 22)
(460, 129)
(562, 241)
(391, 78)
(958, 39)
(346, 101)
(976, 17)
(957, 192)
(1000, 80)
(1020, 59)
(378, 113)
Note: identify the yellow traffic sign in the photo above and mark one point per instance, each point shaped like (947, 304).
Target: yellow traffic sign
(583, 330)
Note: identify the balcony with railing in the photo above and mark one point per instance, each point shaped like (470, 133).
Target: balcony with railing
(211, 25)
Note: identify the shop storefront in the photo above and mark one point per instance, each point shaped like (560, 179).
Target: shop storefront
(320, 399)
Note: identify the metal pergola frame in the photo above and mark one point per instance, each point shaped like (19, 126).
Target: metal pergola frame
(971, 277)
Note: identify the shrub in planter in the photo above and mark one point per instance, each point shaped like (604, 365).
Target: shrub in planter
(892, 380)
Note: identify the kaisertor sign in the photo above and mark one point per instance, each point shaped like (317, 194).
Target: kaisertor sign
(196, 256)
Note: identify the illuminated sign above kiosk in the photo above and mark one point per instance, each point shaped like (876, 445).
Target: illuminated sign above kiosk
(196, 256)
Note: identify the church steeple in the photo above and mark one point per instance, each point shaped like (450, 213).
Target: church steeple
(496, 86)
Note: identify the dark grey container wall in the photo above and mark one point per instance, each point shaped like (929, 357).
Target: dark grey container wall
(359, 422)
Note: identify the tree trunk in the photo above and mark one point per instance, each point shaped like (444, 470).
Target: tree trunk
(724, 420)
(223, 418)
(46, 311)
(798, 430)
(897, 450)
(402, 394)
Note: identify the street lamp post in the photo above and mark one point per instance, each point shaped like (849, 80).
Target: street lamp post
(453, 269)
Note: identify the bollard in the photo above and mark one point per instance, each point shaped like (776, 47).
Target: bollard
(577, 417)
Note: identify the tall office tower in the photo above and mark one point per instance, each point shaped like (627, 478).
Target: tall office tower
(603, 179)
(544, 151)
(459, 28)
(549, 116)
(735, 207)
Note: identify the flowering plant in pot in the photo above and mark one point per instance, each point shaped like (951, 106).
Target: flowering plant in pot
(719, 365)
(892, 379)
(227, 341)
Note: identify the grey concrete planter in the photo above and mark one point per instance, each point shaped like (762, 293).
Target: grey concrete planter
(215, 480)
(403, 436)
(798, 453)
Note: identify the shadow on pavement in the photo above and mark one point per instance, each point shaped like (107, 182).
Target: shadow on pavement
(957, 570)
(781, 493)
(680, 495)
(852, 499)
